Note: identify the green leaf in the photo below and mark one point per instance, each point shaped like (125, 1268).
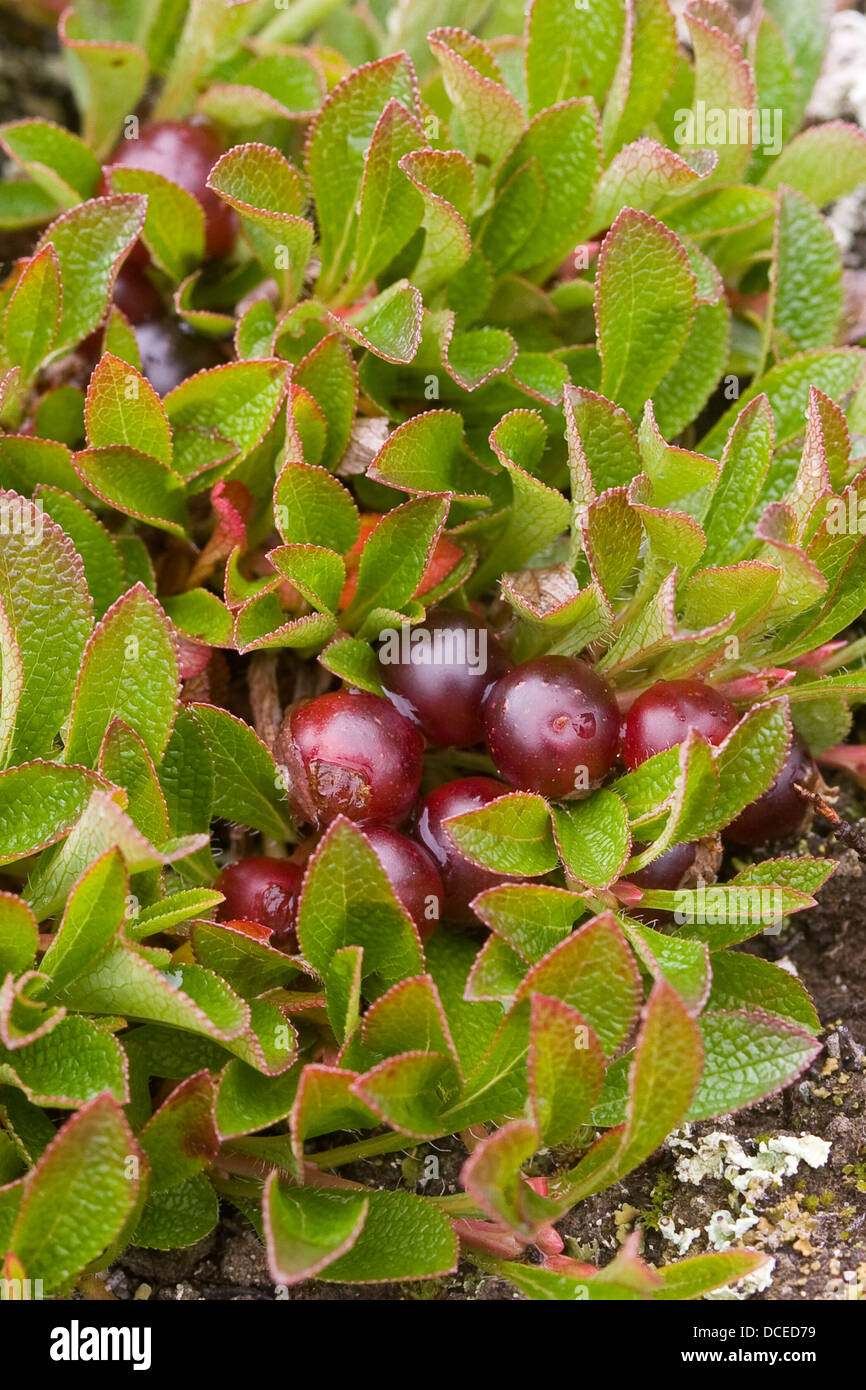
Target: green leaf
(129, 672)
(200, 615)
(390, 207)
(336, 153)
(427, 454)
(493, 1176)
(94, 915)
(247, 1101)
(186, 777)
(328, 374)
(409, 1018)
(641, 176)
(239, 401)
(107, 77)
(511, 835)
(747, 1057)
(125, 762)
(317, 573)
(746, 982)
(593, 838)
(56, 160)
(268, 195)
(343, 991)
(724, 83)
(255, 333)
(326, 1102)
(308, 1228)
(251, 967)
(644, 73)
(403, 1237)
(33, 314)
(103, 568)
(123, 409)
(572, 51)
(538, 513)
(313, 508)
(348, 901)
(700, 1274)
(174, 229)
(44, 606)
(120, 981)
(179, 906)
(450, 957)
(395, 556)
(136, 484)
(806, 278)
(825, 162)
(248, 786)
(563, 144)
(354, 662)
(60, 1229)
(24, 205)
(594, 972)
(444, 179)
(566, 1069)
(90, 243)
(531, 917)
(25, 462)
(19, 935)
(66, 1067)
(180, 1137)
(410, 1092)
(745, 461)
(179, 1216)
(786, 386)
(39, 803)
(488, 119)
(685, 964)
(643, 319)
(662, 1081)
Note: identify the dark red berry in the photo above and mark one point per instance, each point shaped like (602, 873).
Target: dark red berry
(351, 754)
(438, 672)
(782, 809)
(185, 152)
(136, 296)
(552, 726)
(264, 890)
(661, 717)
(463, 881)
(413, 875)
(669, 870)
(169, 355)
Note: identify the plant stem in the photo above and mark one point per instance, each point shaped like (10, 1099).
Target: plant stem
(364, 1148)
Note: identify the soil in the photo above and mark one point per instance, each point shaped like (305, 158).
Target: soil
(813, 1221)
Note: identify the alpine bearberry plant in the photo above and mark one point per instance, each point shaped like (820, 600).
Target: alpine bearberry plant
(432, 493)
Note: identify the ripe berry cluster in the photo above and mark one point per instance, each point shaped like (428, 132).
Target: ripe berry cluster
(551, 726)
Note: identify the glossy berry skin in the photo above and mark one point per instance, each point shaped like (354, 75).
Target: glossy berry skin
(351, 754)
(136, 296)
(669, 870)
(169, 355)
(781, 810)
(445, 667)
(661, 717)
(462, 880)
(416, 881)
(184, 152)
(264, 890)
(552, 726)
